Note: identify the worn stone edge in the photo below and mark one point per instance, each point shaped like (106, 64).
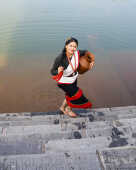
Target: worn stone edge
(100, 157)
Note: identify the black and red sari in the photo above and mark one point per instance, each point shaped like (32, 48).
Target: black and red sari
(74, 96)
(67, 81)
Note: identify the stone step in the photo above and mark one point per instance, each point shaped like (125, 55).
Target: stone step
(19, 119)
(82, 125)
(102, 114)
(75, 145)
(31, 139)
(53, 132)
(123, 129)
(41, 142)
(51, 161)
(115, 113)
(21, 145)
(42, 120)
(46, 131)
(35, 145)
(67, 126)
(90, 144)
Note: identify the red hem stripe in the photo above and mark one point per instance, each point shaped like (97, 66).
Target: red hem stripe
(77, 95)
(84, 106)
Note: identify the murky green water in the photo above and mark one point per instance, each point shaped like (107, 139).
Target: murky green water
(32, 33)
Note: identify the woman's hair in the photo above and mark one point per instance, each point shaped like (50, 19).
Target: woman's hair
(71, 39)
(68, 40)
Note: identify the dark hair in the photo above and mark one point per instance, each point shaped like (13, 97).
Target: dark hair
(68, 40)
(71, 39)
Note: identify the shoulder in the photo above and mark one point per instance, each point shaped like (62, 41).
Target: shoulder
(59, 58)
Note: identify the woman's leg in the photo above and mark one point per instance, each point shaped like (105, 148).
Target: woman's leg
(74, 98)
(63, 106)
(67, 109)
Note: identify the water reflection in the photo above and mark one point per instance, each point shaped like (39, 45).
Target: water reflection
(108, 84)
(3, 61)
(32, 34)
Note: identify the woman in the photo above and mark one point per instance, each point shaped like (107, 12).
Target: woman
(65, 72)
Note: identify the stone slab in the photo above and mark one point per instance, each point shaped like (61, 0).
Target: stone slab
(22, 147)
(51, 161)
(76, 145)
(120, 158)
(37, 143)
(123, 108)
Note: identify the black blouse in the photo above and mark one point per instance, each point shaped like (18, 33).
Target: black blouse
(63, 61)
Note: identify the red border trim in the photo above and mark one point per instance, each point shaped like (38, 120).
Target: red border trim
(84, 106)
(78, 59)
(58, 76)
(77, 95)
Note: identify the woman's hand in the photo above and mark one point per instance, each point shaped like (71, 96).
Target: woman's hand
(60, 68)
(91, 57)
(91, 65)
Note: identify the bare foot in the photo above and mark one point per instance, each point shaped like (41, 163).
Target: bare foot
(69, 112)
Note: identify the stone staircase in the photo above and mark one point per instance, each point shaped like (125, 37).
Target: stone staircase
(40, 141)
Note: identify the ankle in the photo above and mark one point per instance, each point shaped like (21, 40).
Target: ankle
(68, 108)
(62, 108)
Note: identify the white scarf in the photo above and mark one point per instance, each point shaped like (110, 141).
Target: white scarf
(69, 71)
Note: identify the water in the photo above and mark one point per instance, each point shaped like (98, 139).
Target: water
(32, 33)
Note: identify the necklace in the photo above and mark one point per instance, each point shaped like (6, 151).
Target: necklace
(71, 63)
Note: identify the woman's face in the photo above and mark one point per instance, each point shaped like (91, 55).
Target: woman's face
(71, 48)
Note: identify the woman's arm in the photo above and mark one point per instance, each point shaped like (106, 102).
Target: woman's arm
(56, 65)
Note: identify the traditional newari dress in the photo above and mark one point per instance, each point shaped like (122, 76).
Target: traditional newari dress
(67, 81)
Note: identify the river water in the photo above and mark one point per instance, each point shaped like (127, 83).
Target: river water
(32, 34)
